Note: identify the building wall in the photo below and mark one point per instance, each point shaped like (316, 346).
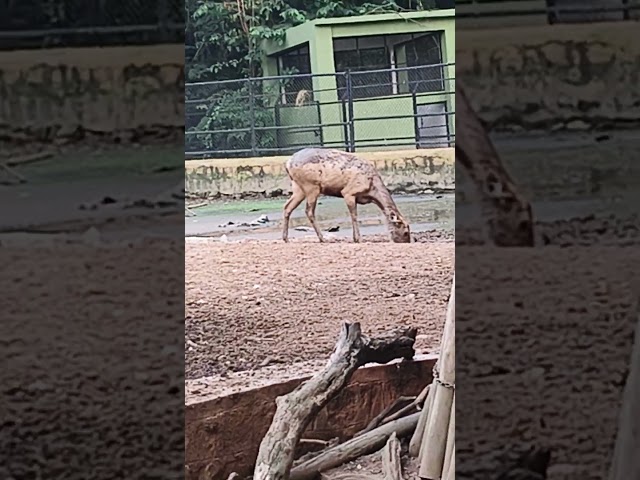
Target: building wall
(320, 34)
(404, 171)
(104, 90)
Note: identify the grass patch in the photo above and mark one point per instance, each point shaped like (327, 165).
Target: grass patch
(102, 164)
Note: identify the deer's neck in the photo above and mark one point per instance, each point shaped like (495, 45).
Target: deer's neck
(384, 200)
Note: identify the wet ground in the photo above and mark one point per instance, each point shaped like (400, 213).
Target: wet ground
(242, 219)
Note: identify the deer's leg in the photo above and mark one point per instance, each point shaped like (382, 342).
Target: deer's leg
(312, 200)
(296, 199)
(352, 205)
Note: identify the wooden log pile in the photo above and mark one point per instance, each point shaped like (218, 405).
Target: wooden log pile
(428, 419)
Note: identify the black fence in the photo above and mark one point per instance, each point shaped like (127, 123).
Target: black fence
(409, 107)
(552, 11)
(69, 23)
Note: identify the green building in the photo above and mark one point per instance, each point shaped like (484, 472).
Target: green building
(401, 78)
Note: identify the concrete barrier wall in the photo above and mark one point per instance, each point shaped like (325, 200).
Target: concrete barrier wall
(105, 90)
(406, 171)
(223, 434)
(560, 77)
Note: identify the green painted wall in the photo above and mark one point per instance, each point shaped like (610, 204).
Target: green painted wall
(320, 34)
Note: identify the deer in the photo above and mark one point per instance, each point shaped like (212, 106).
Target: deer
(334, 173)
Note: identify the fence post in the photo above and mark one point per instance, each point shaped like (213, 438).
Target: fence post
(252, 116)
(352, 140)
(163, 19)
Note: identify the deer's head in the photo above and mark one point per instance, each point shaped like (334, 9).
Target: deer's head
(399, 229)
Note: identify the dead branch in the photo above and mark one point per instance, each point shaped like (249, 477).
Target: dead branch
(355, 448)
(198, 205)
(29, 158)
(315, 441)
(378, 419)
(413, 405)
(295, 410)
(313, 454)
(391, 465)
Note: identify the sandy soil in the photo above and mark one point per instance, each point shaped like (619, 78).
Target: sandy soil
(254, 304)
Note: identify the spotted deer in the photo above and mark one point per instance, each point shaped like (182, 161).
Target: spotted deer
(315, 171)
(508, 215)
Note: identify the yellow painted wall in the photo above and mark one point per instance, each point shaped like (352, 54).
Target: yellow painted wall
(403, 171)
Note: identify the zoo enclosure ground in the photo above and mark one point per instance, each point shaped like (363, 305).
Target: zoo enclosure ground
(254, 304)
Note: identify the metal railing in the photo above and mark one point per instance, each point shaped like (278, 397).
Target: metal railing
(407, 107)
(70, 23)
(552, 11)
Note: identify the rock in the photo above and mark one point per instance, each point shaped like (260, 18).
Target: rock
(224, 239)
(334, 228)
(108, 200)
(303, 229)
(92, 236)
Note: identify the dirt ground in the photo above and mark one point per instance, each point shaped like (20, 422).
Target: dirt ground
(254, 304)
(91, 359)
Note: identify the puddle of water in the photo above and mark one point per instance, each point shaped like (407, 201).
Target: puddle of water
(424, 212)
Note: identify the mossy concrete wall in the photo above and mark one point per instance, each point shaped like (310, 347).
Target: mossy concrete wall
(556, 77)
(404, 171)
(55, 93)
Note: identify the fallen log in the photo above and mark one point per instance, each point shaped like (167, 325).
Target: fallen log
(391, 465)
(354, 448)
(295, 410)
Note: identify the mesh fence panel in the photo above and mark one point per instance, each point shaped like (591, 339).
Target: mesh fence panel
(410, 107)
(41, 23)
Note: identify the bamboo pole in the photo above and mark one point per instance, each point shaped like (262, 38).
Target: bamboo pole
(451, 472)
(450, 438)
(626, 462)
(432, 451)
(416, 439)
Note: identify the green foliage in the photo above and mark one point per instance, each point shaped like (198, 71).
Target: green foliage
(226, 35)
(224, 42)
(230, 110)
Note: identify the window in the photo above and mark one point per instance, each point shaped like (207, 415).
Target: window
(295, 62)
(363, 53)
(422, 51)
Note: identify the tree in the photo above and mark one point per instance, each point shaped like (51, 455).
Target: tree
(224, 37)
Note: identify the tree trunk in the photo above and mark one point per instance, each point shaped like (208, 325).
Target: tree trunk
(295, 410)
